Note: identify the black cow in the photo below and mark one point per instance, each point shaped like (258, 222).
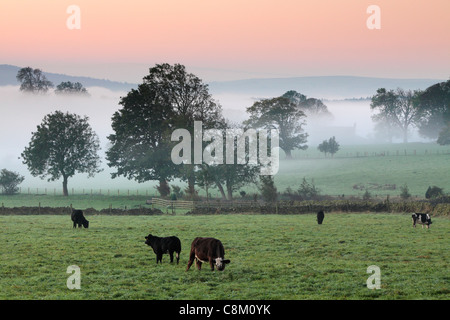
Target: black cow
(164, 245)
(79, 219)
(320, 216)
(207, 250)
(421, 218)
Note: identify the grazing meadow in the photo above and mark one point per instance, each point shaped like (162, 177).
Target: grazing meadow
(272, 257)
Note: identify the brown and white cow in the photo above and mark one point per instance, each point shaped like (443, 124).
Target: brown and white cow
(205, 250)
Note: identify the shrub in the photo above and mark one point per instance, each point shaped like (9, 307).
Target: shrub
(268, 189)
(367, 195)
(434, 192)
(308, 190)
(9, 181)
(404, 194)
(177, 191)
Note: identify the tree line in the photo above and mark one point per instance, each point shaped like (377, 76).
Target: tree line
(34, 81)
(399, 110)
(169, 98)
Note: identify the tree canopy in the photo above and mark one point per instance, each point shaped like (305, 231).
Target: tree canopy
(9, 181)
(33, 80)
(168, 98)
(283, 114)
(434, 105)
(396, 108)
(68, 87)
(331, 146)
(312, 107)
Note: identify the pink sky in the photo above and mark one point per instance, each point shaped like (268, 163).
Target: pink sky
(229, 39)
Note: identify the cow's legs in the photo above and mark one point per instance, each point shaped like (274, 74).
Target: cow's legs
(177, 254)
(171, 256)
(199, 264)
(74, 224)
(211, 263)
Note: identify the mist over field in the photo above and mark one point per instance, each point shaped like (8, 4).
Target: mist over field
(21, 113)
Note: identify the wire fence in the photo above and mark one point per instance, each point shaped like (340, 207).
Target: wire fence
(381, 153)
(84, 191)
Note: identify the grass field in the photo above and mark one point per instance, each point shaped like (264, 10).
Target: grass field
(272, 257)
(419, 165)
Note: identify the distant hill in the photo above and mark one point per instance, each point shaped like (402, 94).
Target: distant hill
(322, 87)
(326, 87)
(8, 78)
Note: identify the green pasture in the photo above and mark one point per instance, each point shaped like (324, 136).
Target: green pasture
(418, 165)
(272, 257)
(337, 176)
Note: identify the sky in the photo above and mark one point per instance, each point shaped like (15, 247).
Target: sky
(228, 40)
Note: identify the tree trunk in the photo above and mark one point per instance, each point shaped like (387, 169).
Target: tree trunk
(288, 154)
(191, 186)
(163, 188)
(229, 192)
(65, 191)
(405, 135)
(222, 192)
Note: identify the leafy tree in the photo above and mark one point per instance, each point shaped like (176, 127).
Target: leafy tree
(312, 107)
(323, 147)
(168, 98)
(140, 145)
(397, 108)
(331, 146)
(33, 80)
(283, 114)
(62, 145)
(228, 178)
(434, 103)
(71, 88)
(9, 181)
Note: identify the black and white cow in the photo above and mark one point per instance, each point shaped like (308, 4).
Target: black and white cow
(164, 245)
(421, 218)
(207, 250)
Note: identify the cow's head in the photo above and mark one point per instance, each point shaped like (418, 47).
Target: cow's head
(220, 263)
(148, 240)
(86, 223)
(429, 219)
